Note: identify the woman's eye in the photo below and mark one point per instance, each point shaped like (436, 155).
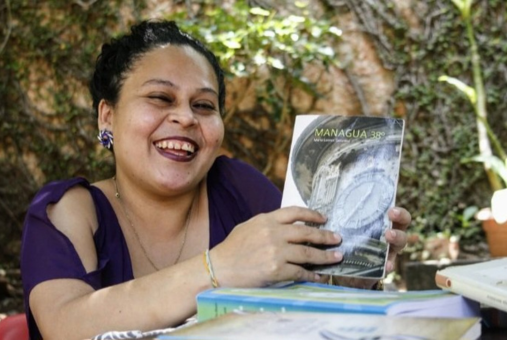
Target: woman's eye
(164, 99)
(205, 106)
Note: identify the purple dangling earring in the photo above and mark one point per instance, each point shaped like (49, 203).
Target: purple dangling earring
(106, 138)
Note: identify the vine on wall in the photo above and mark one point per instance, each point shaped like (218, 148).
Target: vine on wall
(46, 122)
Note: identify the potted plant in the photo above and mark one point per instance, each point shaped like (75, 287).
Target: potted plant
(494, 219)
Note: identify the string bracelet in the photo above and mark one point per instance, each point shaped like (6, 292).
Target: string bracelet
(209, 269)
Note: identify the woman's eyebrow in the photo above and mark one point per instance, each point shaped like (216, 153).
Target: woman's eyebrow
(169, 83)
(158, 81)
(208, 90)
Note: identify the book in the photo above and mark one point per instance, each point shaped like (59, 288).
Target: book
(316, 297)
(346, 167)
(313, 326)
(485, 282)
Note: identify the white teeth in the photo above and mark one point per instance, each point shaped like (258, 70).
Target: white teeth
(173, 145)
(189, 147)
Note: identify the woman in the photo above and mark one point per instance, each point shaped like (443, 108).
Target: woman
(131, 252)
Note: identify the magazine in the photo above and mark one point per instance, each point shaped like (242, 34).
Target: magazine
(346, 167)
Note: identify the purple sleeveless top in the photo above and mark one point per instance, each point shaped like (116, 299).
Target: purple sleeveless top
(236, 192)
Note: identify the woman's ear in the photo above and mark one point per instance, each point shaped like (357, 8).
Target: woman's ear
(106, 117)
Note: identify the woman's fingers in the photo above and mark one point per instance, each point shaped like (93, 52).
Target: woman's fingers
(303, 254)
(290, 225)
(275, 247)
(400, 217)
(396, 237)
(397, 240)
(299, 233)
(289, 215)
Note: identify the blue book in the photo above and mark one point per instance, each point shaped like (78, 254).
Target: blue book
(314, 297)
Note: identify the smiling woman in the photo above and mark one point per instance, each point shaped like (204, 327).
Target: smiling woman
(132, 251)
(170, 104)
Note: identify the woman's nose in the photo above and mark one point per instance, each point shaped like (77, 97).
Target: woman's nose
(183, 115)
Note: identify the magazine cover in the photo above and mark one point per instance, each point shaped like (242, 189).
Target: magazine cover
(346, 167)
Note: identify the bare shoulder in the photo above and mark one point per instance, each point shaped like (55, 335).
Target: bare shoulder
(75, 216)
(75, 207)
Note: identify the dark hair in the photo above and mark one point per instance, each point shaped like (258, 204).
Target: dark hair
(118, 56)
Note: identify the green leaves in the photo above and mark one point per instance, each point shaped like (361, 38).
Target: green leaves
(464, 7)
(467, 90)
(246, 39)
(495, 163)
(259, 11)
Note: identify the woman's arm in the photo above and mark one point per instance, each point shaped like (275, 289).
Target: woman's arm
(263, 250)
(72, 309)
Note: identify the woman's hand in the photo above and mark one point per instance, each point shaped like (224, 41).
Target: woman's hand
(397, 239)
(273, 247)
(397, 236)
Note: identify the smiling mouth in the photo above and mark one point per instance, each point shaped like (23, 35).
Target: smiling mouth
(176, 147)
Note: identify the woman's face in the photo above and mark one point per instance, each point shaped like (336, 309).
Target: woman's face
(166, 125)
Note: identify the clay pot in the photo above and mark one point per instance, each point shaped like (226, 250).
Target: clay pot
(496, 234)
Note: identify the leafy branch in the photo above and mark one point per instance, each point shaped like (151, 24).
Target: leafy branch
(477, 97)
(495, 167)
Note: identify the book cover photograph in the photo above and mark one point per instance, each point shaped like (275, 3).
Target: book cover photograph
(346, 167)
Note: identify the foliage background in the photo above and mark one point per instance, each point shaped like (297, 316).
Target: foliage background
(47, 128)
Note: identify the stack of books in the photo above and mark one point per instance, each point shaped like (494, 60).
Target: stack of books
(317, 326)
(315, 297)
(485, 282)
